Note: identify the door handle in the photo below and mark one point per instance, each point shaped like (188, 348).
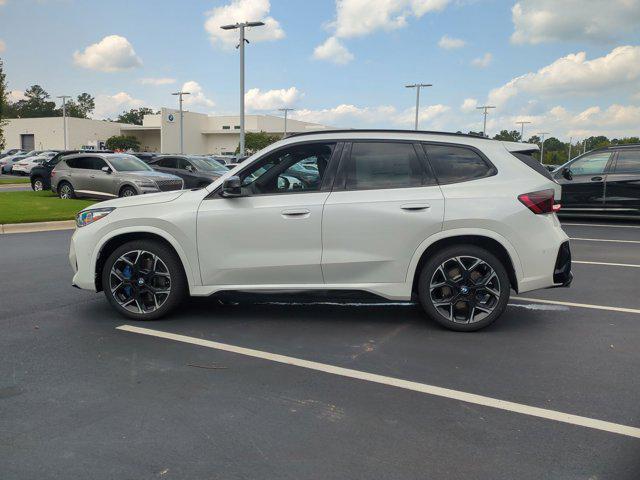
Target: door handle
(296, 213)
(415, 206)
(596, 179)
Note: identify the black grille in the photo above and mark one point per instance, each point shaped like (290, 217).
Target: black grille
(167, 185)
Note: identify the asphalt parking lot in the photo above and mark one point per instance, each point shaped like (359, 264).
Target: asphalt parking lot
(80, 398)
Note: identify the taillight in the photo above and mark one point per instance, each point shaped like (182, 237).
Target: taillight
(539, 202)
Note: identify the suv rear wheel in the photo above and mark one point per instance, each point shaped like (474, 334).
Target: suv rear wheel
(144, 280)
(464, 288)
(37, 185)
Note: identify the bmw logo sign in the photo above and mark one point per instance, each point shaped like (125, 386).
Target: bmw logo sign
(171, 117)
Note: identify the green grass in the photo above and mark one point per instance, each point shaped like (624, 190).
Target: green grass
(12, 180)
(26, 207)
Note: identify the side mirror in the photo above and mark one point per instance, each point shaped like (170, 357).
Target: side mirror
(189, 168)
(566, 173)
(232, 187)
(106, 170)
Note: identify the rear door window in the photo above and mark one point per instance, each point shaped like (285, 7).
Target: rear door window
(628, 162)
(381, 165)
(454, 164)
(83, 163)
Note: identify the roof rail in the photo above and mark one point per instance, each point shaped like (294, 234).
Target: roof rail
(386, 130)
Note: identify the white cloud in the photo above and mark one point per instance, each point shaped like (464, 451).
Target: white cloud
(255, 99)
(111, 54)
(575, 74)
(157, 81)
(110, 106)
(450, 43)
(3, 3)
(469, 105)
(537, 21)
(242, 11)
(483, 61)
(197, 98)
(15, 95)
(334, 51)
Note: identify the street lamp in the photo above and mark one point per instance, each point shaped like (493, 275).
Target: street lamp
(180, 94)
(522, 123)
(418, 86)
(542, 145)
(241, 27)
(286, 111)
(485, 113)
(64, 117)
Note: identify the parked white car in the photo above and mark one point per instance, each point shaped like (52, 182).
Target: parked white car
(455, 221)
(24, 166)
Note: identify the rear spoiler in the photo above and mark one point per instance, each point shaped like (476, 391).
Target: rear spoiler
(521, 147)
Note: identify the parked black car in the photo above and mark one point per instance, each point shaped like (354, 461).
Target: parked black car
(603, 182)
(197, 172)
(146, 157)
(41, 174)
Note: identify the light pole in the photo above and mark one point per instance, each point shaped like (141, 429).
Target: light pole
(485, 113)
(241, 27)
(418, 86)
(570, 140)
(542, 145)
(64, 117)
(286, 111)
(180, 94)
(522, 123)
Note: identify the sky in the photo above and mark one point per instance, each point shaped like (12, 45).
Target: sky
(570, 67)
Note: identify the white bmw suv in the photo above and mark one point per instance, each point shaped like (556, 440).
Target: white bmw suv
(453, 220)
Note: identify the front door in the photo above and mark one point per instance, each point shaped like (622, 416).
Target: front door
(272, 234)
(100, 181)
(623, 183)
(387, 206)
(583, 182)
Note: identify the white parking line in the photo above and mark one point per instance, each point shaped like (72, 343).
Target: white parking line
(580, 305)
(601, 225)
(582, 262)
(603, 240)
(399, 383)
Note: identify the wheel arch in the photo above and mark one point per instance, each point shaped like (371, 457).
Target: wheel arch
(126, 185)
(119, 238)
(491, 241)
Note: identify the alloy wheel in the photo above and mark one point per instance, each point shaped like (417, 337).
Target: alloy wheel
(464, 289)
(37, 186)
(65, 192)
(140, 281)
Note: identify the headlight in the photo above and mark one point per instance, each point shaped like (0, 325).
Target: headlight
(145, 183)
(87, 217)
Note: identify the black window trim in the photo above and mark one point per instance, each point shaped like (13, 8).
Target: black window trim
(327, 182)
(493, 171)
(341, 178)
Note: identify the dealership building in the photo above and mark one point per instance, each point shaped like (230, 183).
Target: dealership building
(160, 133)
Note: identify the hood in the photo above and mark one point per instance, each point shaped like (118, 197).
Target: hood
(152, 175)
(137, 200)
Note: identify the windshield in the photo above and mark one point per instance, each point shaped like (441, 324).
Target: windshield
(207, 164)
(128, 163)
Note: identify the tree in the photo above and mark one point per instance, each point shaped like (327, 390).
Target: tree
(81, 107)
(505, 135)
(35, 104)
(123, 142)
(255, 141)
(134, 116)
(3, 103)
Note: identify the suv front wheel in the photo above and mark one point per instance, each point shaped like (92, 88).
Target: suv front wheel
(464, 288)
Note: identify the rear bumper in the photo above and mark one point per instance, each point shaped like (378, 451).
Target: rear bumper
(562, 275)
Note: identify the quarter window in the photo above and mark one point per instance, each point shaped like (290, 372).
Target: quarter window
(628, 162)
(453, 164)
(591, 164)
(379, 165)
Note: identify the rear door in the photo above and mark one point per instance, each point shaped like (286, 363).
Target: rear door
(80, 170)
(583, 186)
(385, 202)
(623, 183)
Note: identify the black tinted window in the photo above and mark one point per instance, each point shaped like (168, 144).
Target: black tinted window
(528, 160)
(166, 163)
(376, 165)
(85, 163)
(628, 162)
(457, 164)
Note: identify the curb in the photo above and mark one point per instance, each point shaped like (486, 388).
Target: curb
(37, 227)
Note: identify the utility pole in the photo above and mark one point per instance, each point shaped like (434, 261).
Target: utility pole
(241, 27)
(180, 94)
(542, 145)
(522, 123)
(485, 113)
(64, 117)
(570, 140)
(286, 111)
(418, 86)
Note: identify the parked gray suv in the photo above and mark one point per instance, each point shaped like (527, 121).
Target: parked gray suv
(108, 175)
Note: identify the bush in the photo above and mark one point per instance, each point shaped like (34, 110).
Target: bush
(123, 142)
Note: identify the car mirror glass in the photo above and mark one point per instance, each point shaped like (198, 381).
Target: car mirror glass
(232, 187)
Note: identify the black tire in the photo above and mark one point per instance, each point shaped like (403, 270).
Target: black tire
(178, 282)
(465, 289)
(65, 190)
(128, 192)
(37, 184)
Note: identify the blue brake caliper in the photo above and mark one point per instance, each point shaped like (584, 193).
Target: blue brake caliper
(127, 273)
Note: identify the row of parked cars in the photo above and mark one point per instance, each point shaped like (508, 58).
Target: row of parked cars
(20, 162)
